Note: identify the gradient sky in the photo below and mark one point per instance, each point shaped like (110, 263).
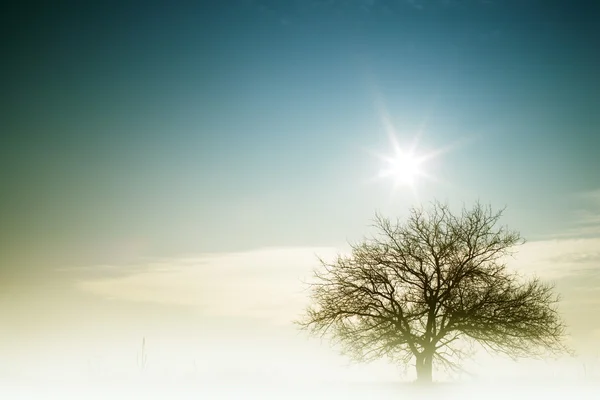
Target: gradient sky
(136, 137)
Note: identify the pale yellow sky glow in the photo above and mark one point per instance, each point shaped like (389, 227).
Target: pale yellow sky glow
(225, 318)
(257, 294)
(264, 284)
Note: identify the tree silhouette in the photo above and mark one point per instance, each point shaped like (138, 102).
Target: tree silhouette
(431, 287)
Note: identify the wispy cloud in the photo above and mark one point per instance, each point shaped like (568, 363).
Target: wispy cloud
(423, 4)
(592, 195)
(416, 4)
(573, 265)
(265, 283)
(558, 258)
(587, 218)
(584, 217)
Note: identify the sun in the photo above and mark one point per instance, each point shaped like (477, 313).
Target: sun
(405, 164)
(404, 167)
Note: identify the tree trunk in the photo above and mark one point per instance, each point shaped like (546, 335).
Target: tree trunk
(424, 366)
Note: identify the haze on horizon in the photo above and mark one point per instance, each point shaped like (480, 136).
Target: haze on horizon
(171, 171)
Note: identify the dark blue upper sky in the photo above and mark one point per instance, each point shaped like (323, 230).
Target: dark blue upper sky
(155, 128)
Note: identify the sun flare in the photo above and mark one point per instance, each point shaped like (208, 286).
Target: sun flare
(406, 164)
(404, 167)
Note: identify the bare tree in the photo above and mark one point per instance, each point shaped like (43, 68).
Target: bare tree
(431, 287)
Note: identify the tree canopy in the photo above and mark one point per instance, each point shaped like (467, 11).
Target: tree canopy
(428, 288)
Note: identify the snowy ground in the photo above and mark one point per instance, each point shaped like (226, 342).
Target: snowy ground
(153, 390)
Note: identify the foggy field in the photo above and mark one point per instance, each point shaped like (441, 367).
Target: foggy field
(149, 391)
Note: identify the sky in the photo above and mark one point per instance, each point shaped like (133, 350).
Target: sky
(170, 170)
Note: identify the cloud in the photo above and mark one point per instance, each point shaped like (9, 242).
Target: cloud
(573, 265)
(108, 271)
(265, 283)
(558, 258)
(592, 195)
(584, 216)
(416, 4)
(429, 4)
(588, 216)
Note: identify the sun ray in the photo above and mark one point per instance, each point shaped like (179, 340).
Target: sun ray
(405, 166)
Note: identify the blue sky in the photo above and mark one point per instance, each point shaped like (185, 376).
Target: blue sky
(136, 131)
(188, 126)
